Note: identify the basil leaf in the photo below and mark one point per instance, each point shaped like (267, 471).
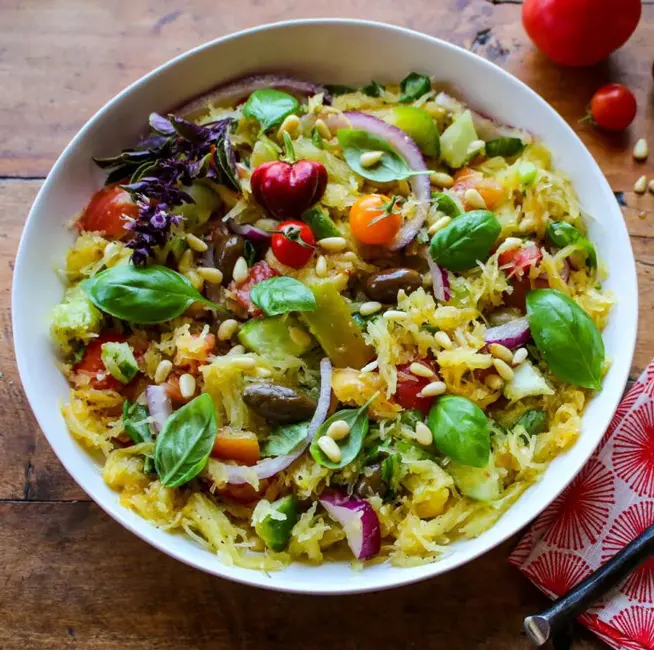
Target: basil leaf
(270, 107)
(413, 86)
(154, 294)
(249, 253)
(564, 234)
(391, 167)
(391, 470)
(281, 295)
(504, 147)
(466, 240)
(284, 438)
(461, 430)
(373, 89)
(336, 89)
(352, 444)
(534, 421)
(446, 204)
(185, 442)
(567, 338)
(135, 421)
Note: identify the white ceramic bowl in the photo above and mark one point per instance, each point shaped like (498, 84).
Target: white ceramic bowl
(329, 51)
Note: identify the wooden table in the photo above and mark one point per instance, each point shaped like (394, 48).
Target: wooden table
(70, 576)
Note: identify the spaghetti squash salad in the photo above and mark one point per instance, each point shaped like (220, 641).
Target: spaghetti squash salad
(308, 322)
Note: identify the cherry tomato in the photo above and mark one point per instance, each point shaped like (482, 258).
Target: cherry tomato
(491, 191)
(613, 107)
(522, 285)
(375, 219)
(245, 493)
(91, 364)
(260, 271)
(409, 386)
(580, 32)
(106, 211)
(293, 243)
(515, 261)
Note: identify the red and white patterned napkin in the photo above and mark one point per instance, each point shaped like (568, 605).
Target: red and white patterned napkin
(607, 506)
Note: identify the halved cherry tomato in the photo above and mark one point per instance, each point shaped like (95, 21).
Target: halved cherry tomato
(246, 494)
(91, 364)
(469, 179)
(521, 287)
(515, 261)
(259, 272)
(409, 386)
(375, 219)
(613, 107)
(293, 243)
(241, 446)
(106, 212)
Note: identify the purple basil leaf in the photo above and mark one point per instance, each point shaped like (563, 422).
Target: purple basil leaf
(161, 124)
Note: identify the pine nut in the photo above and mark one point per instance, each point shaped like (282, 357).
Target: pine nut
(369, 308)
(162, 371)
(187, 385)
(291, 125)
(370, 158)
(321, 266)
(420, 370)
(442, 339)
(338, 430)
(195, 279)
(333, 244)
(403, 188)
(236, 351)
(196, 243)
(439, 225)
(240, 272)
(329, 447)
(395, 315)
(474, 199)
(244, 363)
(370, 367)
(227, 329)
(186, 261)
(423, 434)
(441, 179)
(520, 356)
(262, 373)
(434, 389)
(299, 337)
(509, 243)
(503, 369)
(641, 150)
(323, 129)
(501, 352)
(650, 186)
(640, 186)
(494, 382)
(211, 275)
(111, 249)
(476, 147)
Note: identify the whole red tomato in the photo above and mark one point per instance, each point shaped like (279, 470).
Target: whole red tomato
(580, 32)
(613, 107)
(293, 243)
(106, 212)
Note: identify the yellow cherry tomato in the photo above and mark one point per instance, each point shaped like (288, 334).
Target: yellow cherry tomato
(375, 219)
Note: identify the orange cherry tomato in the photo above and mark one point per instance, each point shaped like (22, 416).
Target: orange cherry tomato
(241, 446)
(106, 212)
(92, 366)
(375, 219)
(491, 191)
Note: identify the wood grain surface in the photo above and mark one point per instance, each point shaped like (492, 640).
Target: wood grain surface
(72, 578)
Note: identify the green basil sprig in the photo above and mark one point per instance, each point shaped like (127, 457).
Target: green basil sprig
(284, 438)
(270, 107)
(135, 421)
(282, 295)
(534, 421)
(351, 445)
(567, 338)
(504, 146)
(564, 234)
(468, 238)
(339, 89)
(391, 167)
(461, 430)
(446, 204)
(414, 86)
(154, 294)
(185, 442)
(373, 89)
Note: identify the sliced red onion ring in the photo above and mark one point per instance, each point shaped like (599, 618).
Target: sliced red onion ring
(250, 232)
(408, 149)
(232, 91)
(159, 405)
(239, 474)
(440, 279)
(511, 335)
(359, 521)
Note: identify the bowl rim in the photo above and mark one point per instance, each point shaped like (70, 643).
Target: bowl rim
(257, 578)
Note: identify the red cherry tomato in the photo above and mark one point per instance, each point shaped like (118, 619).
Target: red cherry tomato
(107, 211)
(91, 364)
(491, 191)
(293, 243)
(409, 386)
(521, 287)
(260, 271)
(613, 107)
(515, 261)
(580, 32)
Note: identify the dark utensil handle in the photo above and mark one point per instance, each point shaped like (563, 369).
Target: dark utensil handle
(540, 627)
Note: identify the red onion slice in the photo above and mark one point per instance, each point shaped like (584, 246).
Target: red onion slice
(232, 91)
(409, 150)
(250, 232)
(440, 279)
(359, 521)
(239, 474)
(511, 335)
(159, 406)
